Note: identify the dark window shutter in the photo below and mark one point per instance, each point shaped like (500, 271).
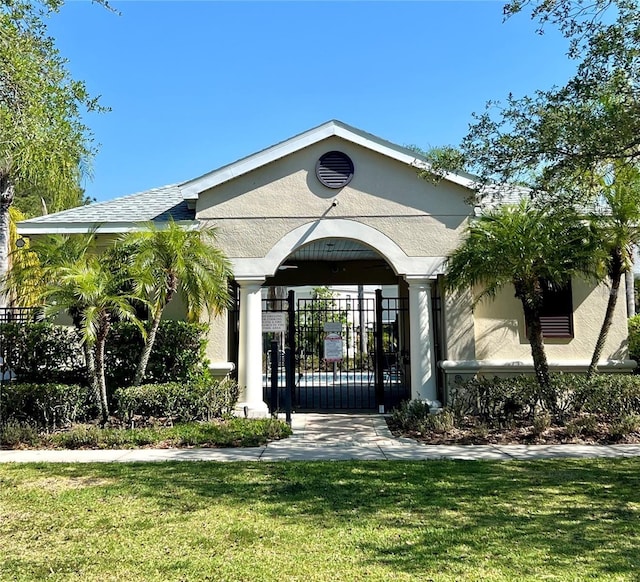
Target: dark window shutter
(556, 314)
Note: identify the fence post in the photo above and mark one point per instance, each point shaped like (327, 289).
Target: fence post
(274, 378)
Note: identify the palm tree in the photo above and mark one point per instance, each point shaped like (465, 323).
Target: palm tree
(170, 260)
(35, 265)
(92, 292)
(64, 273)
(619, 231)
(530, 247)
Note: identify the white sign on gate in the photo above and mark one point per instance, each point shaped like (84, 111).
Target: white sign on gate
(332, 327)
(333, 347)
(274, 321)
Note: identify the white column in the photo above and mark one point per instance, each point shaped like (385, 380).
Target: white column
(423, 376)
(250, 349)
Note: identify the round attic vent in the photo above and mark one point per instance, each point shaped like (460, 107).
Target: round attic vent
(334, 169)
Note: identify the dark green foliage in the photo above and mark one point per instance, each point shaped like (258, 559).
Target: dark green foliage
(178, 402)
(612, 395)
(48, 406)
(178, 353)
(14, 433)
(42, 352)
(496, 401)
(410, 415)
(634, 337)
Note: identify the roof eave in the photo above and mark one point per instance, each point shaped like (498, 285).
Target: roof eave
(31, 229)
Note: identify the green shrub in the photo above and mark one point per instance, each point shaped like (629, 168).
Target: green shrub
(42, 352)
(220, 398)
(442, 422)
(634, 337)
(15, 433)
(583, 425)
(178, 354)
(411, 415)
(613, 395)
(541, 422)
(178, 402)
(233, 432)
(496, 401)
(79, 437)
(625, 425)
(46, 405)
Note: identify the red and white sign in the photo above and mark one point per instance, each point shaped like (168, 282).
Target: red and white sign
(333, 347)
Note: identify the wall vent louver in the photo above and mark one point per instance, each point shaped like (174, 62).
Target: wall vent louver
(334, 169)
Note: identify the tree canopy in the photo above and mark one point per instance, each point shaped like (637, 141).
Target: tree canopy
(45, 147)
(551, 140)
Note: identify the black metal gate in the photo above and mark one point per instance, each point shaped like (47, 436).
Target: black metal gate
(350, 353)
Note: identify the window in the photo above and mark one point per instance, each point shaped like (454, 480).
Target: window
(556, 314)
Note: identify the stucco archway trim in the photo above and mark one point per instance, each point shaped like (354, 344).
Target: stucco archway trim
(399, 261)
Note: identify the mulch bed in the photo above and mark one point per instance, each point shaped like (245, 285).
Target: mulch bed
(472, 433)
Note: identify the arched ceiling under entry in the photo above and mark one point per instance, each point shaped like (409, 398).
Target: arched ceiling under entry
(334, 249)
(333, 261)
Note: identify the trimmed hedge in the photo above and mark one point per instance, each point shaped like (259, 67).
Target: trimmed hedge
(176, 401)
(498, 401)
(614, 395)
(48, 406)
(42, 352)
(178, 353)
(48, 353)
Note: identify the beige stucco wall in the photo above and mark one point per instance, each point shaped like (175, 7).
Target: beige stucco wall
(459, 330)
(500, 331)
(254, 211)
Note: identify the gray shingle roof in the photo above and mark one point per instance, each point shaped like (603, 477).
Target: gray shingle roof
(157, 204)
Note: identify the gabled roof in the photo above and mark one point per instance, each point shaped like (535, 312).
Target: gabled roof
(158, 205)
(177, 200)
(193, 188)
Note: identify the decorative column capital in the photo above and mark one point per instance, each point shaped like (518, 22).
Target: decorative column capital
(419, 281)
(250, 283)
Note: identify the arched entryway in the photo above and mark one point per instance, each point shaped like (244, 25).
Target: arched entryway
(342, 252)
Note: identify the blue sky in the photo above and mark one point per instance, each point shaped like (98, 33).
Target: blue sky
(193, 86)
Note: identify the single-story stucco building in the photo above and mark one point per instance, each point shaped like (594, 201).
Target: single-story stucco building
(338, 206)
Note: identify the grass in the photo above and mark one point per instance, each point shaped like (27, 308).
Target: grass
(232, 432)
(337, 521)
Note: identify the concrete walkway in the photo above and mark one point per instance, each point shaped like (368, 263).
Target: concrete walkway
(331, 437)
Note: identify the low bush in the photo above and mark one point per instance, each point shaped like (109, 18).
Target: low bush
(232, 432)
(411, 415)
(442, 422)
(48, 406)
(178, 402)
(496, 401)
(613, 395)
(15, 433)
(625, 425)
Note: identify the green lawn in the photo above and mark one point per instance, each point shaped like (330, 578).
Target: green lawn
(435, 520)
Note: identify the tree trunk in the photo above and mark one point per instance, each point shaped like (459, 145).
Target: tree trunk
(7, 194)
(531, 303)
(616, 278)
(101, 341)
(631, 292)
(90, 360)
(148, 346)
